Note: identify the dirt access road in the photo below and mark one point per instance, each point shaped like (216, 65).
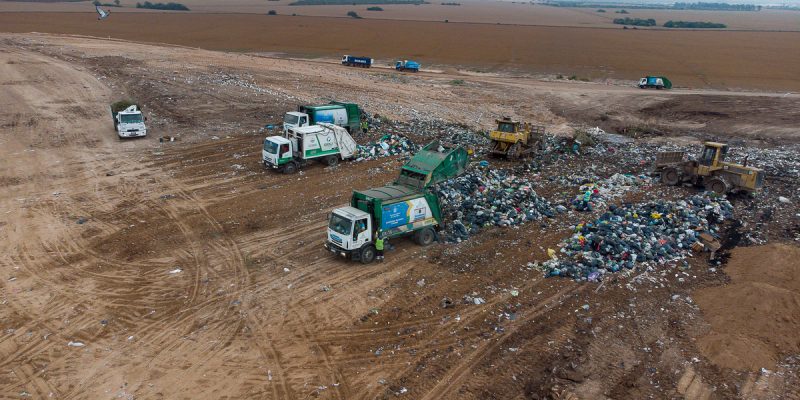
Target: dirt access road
(134, 269)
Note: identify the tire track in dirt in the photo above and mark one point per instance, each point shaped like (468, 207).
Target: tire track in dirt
(453, 379)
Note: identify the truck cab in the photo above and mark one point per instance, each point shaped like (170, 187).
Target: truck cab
(294, 119)
(350, 234)
(130, 123)
(277, 152)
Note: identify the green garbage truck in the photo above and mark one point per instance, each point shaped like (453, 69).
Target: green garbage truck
(658, 82)
(405, 207)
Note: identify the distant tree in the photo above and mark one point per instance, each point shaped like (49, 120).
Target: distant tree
(163, 6)
(694, 25)
(635, 21)
(353, 14)
(601, 10)
(272, 12)
(376, 8)
(622, 11)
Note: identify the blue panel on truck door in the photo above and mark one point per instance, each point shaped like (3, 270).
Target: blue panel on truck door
(394, 215)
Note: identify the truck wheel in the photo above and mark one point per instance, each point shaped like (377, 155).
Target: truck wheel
(332, 161)
(367, 254)
(424, 237)
(717, 186)
(669, 176)
(289, 168)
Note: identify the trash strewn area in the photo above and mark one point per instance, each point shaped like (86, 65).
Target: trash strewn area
(637, 236)
(485, 197)
(570, 271)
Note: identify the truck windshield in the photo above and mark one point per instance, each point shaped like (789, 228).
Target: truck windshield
(290, 119)
(130, 118)
(340, 224)
(270, 147)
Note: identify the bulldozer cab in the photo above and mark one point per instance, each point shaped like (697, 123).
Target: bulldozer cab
(713, 154)
(507, 125)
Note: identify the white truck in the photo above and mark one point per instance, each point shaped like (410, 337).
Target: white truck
(327, 143)
(128, 120)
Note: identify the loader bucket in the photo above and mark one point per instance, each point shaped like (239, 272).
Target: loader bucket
(433, 164)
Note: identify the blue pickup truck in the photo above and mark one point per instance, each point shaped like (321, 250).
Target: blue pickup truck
(353, 61)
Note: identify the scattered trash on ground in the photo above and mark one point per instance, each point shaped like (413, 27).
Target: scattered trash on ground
(632, 234)
(485, 197)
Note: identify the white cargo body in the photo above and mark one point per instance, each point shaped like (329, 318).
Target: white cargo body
(326, 142)
(321, 140)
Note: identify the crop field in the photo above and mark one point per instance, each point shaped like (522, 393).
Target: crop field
(714, 59)
(489, 12)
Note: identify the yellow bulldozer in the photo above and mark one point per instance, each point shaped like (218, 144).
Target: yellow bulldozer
(710, 170)
(514, 139)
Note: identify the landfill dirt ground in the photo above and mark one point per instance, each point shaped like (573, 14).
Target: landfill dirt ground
(136, 269)
(722, 60)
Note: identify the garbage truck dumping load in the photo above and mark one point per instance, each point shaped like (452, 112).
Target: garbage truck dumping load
(405, 207)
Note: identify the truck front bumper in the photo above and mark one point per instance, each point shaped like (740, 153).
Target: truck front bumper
(268, 164)
(338, 250)
(130, 134)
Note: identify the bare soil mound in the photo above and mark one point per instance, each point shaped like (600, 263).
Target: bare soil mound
(756, 317)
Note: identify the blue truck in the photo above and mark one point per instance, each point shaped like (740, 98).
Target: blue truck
(407, 65)
(353, 61)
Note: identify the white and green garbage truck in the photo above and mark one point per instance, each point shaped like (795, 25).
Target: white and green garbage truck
(327, 143)
(406, 207)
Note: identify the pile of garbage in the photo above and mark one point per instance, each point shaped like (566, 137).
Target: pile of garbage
(654, 232)
(485, 197)
(387, 145)
(427, 130)
(604, 190)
